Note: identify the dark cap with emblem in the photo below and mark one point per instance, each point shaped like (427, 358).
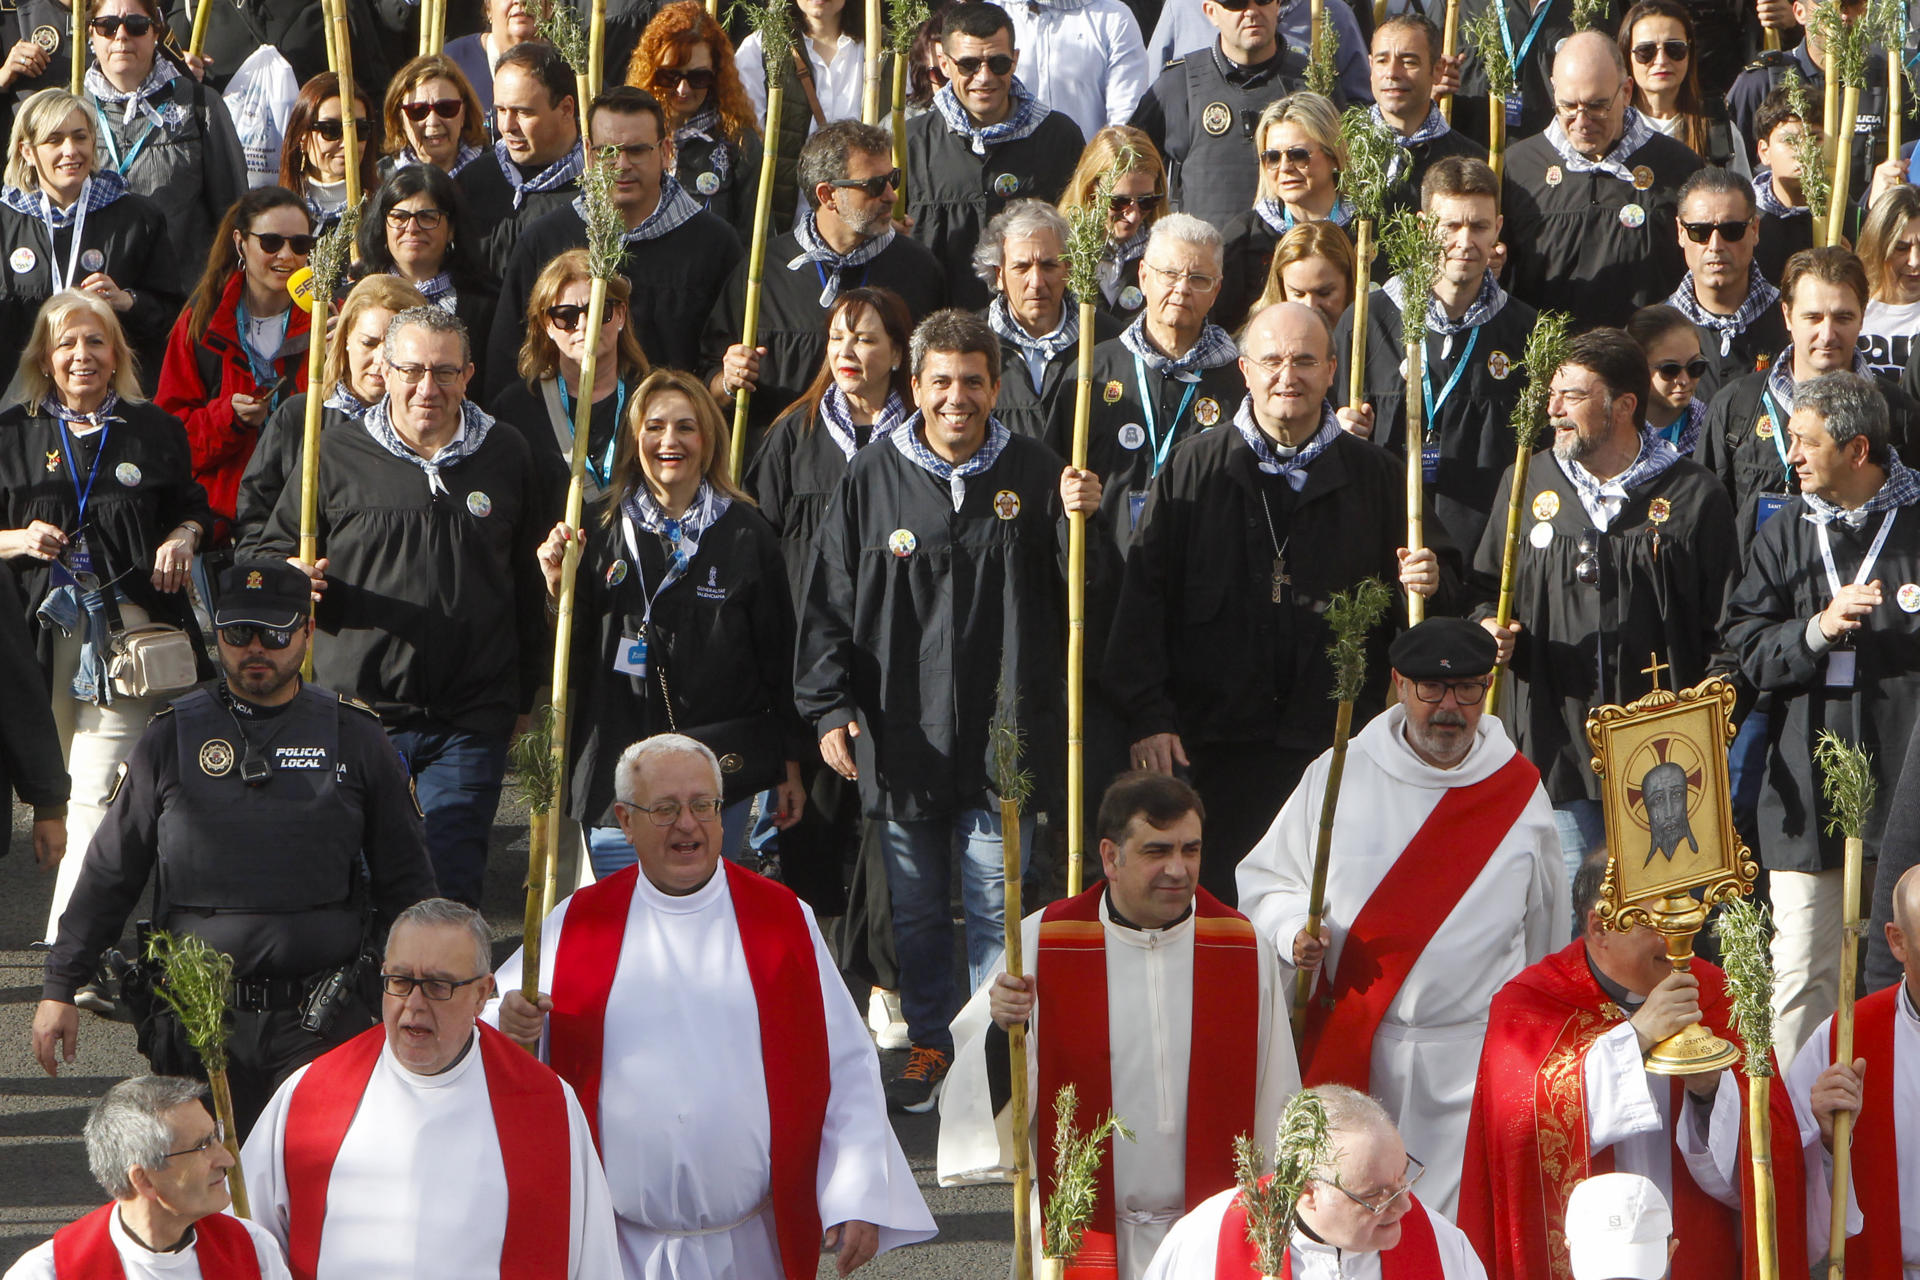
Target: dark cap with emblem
(265, 593)
(1444, 649)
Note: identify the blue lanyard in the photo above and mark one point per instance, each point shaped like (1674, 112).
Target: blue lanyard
(1526, 46)
(73, 472)
(1453, 379)
(106, 132)
(1779, 428)
(1675, 430)
(603, 470)
(820, 271)
(1160, 447)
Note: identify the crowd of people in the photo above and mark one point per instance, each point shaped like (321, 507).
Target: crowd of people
(793, 686)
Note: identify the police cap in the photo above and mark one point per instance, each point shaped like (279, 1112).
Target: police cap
(266, 593)
(1443, 649)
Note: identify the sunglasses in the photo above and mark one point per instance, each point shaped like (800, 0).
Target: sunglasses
(425, 219)
(1146, 204)
(137, 25)
(566, 315)
(1676, 51)
(1695, 368)
(445, 108)
(874, 188)
(1587, 569)
(1272, 156)
(274, 242)
(243, 634)
(999, 64)
(334, 130)
(1239, 6)
(1701, 232)
(698, 79)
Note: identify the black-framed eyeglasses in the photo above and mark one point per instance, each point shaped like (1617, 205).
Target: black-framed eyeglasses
(1695, 368)
(1587, 568)
(334, 130)
(1117, 204)
(667, 812)
(242, 634)
(1676, 51)
(872, 188)
(216, 1138)
(445, 108)
(1701, 232)
(1298, 156)
(1596, 109)
(444, 375)
(425, 219)
(698, 79)
(273, 242)
(400, 985)
(137, 25)
(999, 64)
(1386, 1200)
(1466, 693)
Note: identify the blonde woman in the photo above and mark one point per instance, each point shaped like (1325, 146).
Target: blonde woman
(1298, 148)
(1139, 198)
(686, 623)
(1313, 263)
(1890, 250)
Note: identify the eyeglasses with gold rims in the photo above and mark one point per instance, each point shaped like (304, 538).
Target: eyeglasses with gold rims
(667, 812)
(1199, 281)
(1385, 1200)
(444, 375)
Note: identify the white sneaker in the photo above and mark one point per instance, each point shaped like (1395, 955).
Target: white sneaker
(885, 1020)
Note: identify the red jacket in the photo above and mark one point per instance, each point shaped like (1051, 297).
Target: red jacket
(197, 381)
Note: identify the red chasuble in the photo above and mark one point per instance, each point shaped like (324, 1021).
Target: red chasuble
(84, 1250)
(1224, 1065)
(529, 1114)
(1527, 1143)
(1878, 1249)
(1416, 1257)
(1418, 893)
(793, 1031)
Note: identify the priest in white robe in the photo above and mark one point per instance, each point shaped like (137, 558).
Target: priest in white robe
(731, 1082)
(1357, 1220)
(1149, 966)
(1881, 1088)
(1444, 881)
(429, 1147)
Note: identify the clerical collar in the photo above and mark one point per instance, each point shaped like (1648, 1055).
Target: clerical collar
(460, 1057)
(184, 1242)
(1907, 1005)
(1614, 991)
(1113, 914)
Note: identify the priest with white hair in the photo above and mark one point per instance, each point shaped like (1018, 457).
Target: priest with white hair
(1444, 881)
(431, 1147)
(728, 1077)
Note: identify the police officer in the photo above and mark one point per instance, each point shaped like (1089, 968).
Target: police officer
(277, 824)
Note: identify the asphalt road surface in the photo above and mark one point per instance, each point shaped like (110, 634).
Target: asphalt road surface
(44, 1182)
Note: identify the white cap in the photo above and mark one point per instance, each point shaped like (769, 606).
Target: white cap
(1617, 1228)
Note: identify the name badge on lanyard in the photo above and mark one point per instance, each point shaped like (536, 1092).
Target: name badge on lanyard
(1841, 662)
(630, 659)
(1516, 58)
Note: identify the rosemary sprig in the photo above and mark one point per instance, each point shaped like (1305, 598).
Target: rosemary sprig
(606, 232)
(558, 23)
(1846, 776)
(1589, 14)
(1076, 1160)
(1482, 33)
(773, 20)
(1323, 77)
(904, 20)
(1087, 228)
(1847, 40)
(194, 983)
(1009, 740)
(1303, 1145)
(1546, 351)
(1744, 932)
(1371, 151)
(536, 772)
(1413, 246)
(331, 254)
(1352, 616)
(1816, 184)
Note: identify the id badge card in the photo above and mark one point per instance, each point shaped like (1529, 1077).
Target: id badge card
(630, 659)
(1136, 503)
(1771, 505)
(79, 557)
(1513, 109)
(1430, 461)
(1840, 668)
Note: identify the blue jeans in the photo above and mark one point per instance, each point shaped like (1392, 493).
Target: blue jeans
(1582, 826)
(919, 859)
(456, 780)
(608, 850)
(1747, 763)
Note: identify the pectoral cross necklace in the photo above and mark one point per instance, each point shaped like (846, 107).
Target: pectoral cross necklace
(1282, 581)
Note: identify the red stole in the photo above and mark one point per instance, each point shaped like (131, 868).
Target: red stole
(1878, 1249)
(793, 1030)
(1224, 1063)
(529, 1114)
(1416, 1257)
(1527, 1144)
(1418, 893)
(84, 1250)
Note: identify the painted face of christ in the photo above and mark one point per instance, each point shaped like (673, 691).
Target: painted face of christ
(1665, 789)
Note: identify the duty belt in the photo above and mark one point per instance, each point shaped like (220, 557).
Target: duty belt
(266, 995)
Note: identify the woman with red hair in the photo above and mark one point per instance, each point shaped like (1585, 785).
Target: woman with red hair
(685, 60)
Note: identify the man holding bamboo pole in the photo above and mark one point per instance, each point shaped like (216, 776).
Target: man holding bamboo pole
(1211, 1061)
(534, 167)
(1218, 650)
(1405, 68)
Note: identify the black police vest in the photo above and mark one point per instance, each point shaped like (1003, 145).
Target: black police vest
(1219, 175)
(291, 843)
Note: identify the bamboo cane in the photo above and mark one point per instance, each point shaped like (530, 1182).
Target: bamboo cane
(1830, 95)
(1317, 897)
(78, 39)
(1379, 14)
(870, 89)
(197, 42)
(1449, 44)
(1416, 468)
(1895, 122)
(1510, 556)
(310, 450)
(1017, 1048)
(1314, 9)
(223, 1112)
(1842, 165)
(530, 922)
(1362, 274)
(326, 28)
(900, 136)
(596, 56)
(349, 101)
(1843, 1051)
(756, 266)
(1077, 614)
(1760, 1140)
(1772, 40)
(426, 28)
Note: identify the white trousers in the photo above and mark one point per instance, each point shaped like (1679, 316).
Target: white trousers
(95, 740)
(1806, 954)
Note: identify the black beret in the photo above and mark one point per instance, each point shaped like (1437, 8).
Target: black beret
(1444, 649)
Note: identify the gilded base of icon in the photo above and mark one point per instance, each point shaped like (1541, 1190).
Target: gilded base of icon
(1693, 1052)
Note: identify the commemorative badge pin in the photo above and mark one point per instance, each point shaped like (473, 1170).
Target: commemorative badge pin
(22, 260)
(1554, 176)
(1216, 118)
(1541, 535)
(47, 37)
(1764, 428)
(1112, 392)
(1659, 511)
(1132, 436)
(1006, 504)
(1909, 597)
(53, 461)
(1007, 185)
(479, 504)
(1206, 411)
(127, 474)
(216, 757)
(93, 260)
(1632, 217)
(1499, 365)
(1131, 299)
(902, 542)
(616, 573)
(1546, 505)
(707, 183)
(1642, 177)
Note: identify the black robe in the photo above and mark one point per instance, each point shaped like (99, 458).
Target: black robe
(1474, 432)
(918, 648)
(1568, 248)
(1786, 584)
(952, 193)
(274, 465)
(792, 477)
(1751, 350)
(490, 207)
(1046, 412)
(1247, 257)
(1661, 585)
(793, 324)
(524, 408)
(676, 278)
